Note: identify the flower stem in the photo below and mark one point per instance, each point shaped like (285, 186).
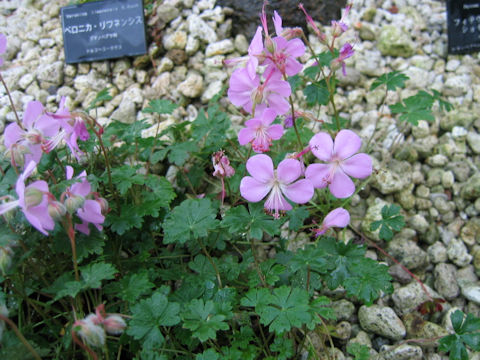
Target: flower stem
(257, 265)
(20, 336)
(83, 346)
(71, 236)
(11, 101)
(207, 254)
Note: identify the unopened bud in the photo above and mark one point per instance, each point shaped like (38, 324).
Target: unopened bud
(92, 334)
(270, 45)
(74, 202)
(33, 196)
(17, 153)
(56, 210)
(292, 33)
(114, 324)
(103, 205)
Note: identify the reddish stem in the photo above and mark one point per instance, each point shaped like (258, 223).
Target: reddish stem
(83, 346)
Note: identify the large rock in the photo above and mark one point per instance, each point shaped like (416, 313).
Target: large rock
(394, 42)
(382, 321)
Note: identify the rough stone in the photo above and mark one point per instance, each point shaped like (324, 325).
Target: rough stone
(343, 309)
(473, 140)
(407, 298)
(471, 189)
(200, 29)
(176, 40)
(407, 252)
(437, 253)
(401, 352)
(221, 47)
(445, 281)
(125, 113)
(393, 41)
(192, 86)
(457, 252)
(382, 321)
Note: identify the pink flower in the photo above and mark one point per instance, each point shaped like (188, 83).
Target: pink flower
(282, 58)
(33, 200)
(89, 211)
(321, 36)
(345, 52)
(247, 92)
(339, 27)
(260, 132)
(335, 218)
(341, 162)
(90, 331)
(279, 183)
(36, 127)
(3, 46)
(72, 129)
(221, 165)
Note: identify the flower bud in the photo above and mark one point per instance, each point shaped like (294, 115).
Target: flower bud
(33, 196)
(103, 205)
(74, 202)
(270, 45)
(92, 334)
(56, 210)
(114, 324)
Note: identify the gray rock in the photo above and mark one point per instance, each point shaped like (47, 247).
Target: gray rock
(126, 112)
(437, 160)
(167, 12)
(448, 179)
(445, 281)
(388, 182)
(418, 328)
(437, 253)
(200, 29)
(470, 233)
(421, 130)
(241, 44)
(393, 41)
(369, 63)
(407, 298)
(473, 140)
(193, 44)
(343, 309)
(424, 146)
(457, 85)
(343, 330)
(382, 321)
(401, 352)
(471, 189)
(212, 89)
(457, 252)
(472, 292)
(192, 86)
(419, 223)
(373, 214)
(219, 48)
(408, 253)
(176, 40)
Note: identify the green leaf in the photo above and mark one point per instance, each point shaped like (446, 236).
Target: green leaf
(415, 108)
(296, 217)
(394, 79)
(131, 287)
(102, 95)
(254, 223)
(210, 129)
(295, 81)
(202, 319)
(311, 72)
(271, 272)
(287, 308)
(126, 176)
(332, 126)
(179, 153)
(209, 354)
(317, 93)
(93, 274)
(368, 279)
(454, 345)
(326, 57)
(283, 347)
(127, 220)
(149, 315)
(391, 222)
(311, 257)
(467, 332)
(160, 106)
(443, 104)
(192, 219)
(258, 298)
(361, 352)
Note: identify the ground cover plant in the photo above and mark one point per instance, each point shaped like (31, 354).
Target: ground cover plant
(106, 254)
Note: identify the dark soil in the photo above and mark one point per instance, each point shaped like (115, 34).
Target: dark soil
(246, 14)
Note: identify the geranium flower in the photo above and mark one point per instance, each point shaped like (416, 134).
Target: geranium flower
(279, 183)
(33, 200)
(341, 162)
(247, 92)
(345, 52)
(36, 128)
(260, 132)
(338, 217)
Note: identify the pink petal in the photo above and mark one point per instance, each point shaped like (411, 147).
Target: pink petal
(39, 218)
(13, 133)
(82, 188)
(68, 172)
(276, 201)
(83, 228)
(300, 191)
(268, 116)
(321, 145)
(256, 46)
(260, 167)
(295, 48)
(293, 67)
(358, 166)
(47, 125)
(341, 186)
(35, 153)
(275, 131)
(246, 135)
(91, 212)
(40, 185)
(318, 174)
(346, 144)
(337, 218)
(279, 103)
(278, 86)
(32, 112)
(288, 171)
(253, 190)
(277, 23)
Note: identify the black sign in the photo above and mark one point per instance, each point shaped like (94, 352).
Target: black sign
(463, 17)
(103, 30)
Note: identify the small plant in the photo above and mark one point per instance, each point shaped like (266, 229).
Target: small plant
(467, 333)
